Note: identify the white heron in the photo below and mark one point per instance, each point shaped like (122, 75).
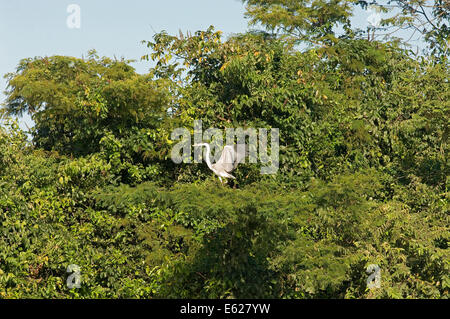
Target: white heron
(231, 156)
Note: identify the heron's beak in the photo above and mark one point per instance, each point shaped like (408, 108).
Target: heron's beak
(196, 145)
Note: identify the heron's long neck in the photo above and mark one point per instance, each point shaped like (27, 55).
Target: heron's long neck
(207, 159)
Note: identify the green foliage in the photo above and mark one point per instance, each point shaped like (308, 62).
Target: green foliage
(75, 102)
(363, 175)
(308, 20)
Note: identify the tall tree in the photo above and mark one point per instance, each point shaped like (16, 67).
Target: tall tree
(307, 20)
(74, 102)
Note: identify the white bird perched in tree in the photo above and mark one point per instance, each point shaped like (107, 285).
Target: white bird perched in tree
(231, 156)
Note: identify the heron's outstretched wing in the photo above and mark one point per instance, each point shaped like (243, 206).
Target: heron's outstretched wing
(227, 158)
(231, 156)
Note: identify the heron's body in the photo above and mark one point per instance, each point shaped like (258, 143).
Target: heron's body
(231, 156)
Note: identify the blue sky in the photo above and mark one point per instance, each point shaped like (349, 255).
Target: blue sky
(113, 28)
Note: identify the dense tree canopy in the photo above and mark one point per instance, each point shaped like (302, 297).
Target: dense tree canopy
(363, 176)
